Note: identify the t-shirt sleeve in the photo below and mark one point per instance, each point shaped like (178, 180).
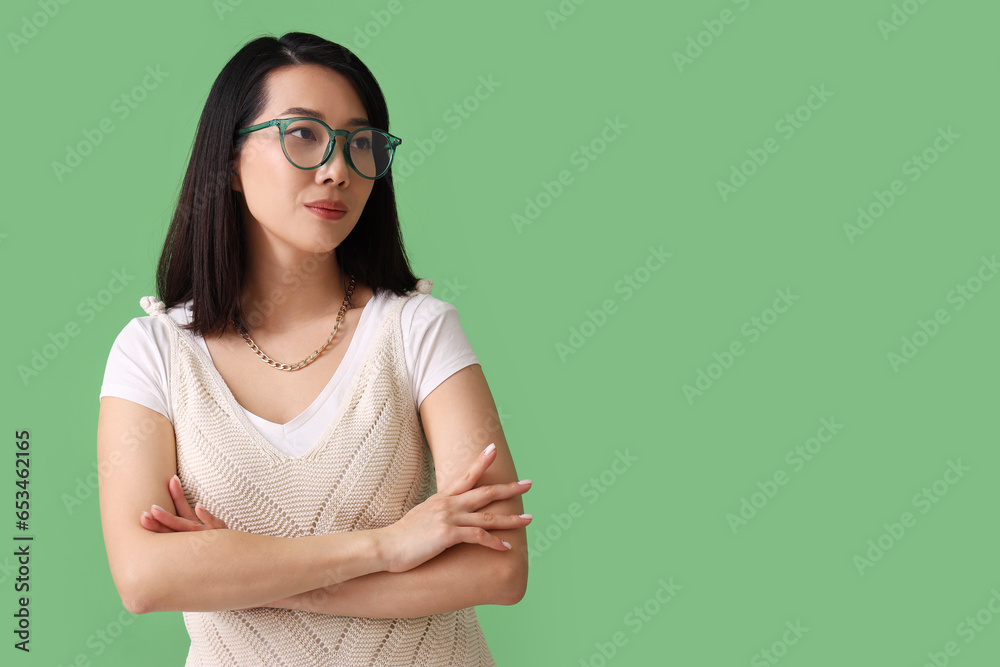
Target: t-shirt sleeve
(436, 344)
(136, 369)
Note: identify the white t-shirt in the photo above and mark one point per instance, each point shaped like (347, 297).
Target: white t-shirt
(434, 344)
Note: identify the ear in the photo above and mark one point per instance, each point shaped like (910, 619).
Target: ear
(235, 182)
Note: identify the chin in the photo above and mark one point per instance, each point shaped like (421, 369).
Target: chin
(324, 243)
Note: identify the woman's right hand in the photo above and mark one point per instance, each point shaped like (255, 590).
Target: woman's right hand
(450, 517)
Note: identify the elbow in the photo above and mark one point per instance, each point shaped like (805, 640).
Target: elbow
(514, 581)
(135, 605)
(136, 595)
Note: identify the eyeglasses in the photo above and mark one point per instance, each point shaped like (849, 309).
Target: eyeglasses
(309, 143)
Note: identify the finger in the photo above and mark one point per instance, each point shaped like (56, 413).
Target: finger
(175, 522)
(468, 479)
(208, 518)
(180, 501)
(491, 521)
(483, 537)
(147, 521)
(481, 496)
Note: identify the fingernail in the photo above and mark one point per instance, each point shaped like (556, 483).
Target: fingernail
(506, 543)
(147, 514)
(489, 449)
(524, 482)
(177, 478)
(526, 516)
(159, 508)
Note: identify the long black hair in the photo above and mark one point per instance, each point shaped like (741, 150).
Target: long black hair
(203, 256)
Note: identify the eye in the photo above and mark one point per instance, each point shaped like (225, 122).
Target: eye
(300, 132)
(306, 131)
(362, 143)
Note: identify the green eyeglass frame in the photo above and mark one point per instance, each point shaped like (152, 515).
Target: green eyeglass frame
(283, 124)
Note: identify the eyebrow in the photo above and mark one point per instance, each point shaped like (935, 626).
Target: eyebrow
(302, 111)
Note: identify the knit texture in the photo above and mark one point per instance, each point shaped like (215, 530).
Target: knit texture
(370, 466)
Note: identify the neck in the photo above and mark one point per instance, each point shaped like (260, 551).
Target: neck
(288, 290)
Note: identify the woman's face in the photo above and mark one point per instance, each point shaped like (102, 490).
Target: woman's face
(276, 194)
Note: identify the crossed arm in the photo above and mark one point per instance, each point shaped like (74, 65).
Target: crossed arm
(459, 419)
(346, 573)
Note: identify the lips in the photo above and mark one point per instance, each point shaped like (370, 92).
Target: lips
(328, 204)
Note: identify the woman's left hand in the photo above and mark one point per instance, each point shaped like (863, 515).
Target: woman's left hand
(159, 520)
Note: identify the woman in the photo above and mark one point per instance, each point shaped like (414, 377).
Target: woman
(354, 500)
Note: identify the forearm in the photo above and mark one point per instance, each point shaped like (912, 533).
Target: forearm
(465, 575)
(228, 569)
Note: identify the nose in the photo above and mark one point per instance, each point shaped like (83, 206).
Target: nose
(335, 168)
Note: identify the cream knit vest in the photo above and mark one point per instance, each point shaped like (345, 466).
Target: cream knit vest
(370, 466)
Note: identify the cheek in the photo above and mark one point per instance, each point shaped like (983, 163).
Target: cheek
(264, 181)
(365, 192)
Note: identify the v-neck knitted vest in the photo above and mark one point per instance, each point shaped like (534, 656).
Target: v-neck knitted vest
(370, 466)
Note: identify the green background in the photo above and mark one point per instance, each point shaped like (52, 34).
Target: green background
(605, 535)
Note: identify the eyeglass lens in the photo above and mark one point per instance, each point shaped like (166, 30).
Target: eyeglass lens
(305, 143)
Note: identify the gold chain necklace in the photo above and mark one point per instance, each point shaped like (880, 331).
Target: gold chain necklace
(312, 357)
